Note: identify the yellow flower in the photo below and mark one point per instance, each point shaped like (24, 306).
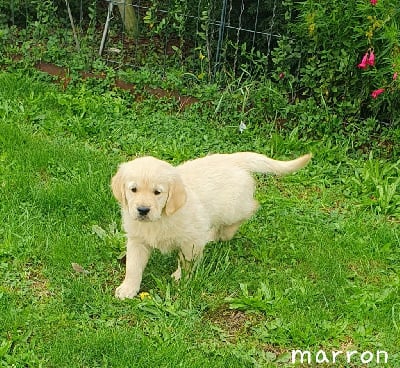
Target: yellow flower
(310, 19)
(144, 295)
(201, 56)
(311, 29)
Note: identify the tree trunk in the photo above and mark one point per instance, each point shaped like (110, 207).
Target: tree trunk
(128, 17)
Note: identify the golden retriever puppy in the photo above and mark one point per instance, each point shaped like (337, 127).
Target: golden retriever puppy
(186, 206)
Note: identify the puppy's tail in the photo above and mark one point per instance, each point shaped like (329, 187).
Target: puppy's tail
(256, 162)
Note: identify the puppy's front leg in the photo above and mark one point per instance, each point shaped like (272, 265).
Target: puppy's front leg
(137, 255)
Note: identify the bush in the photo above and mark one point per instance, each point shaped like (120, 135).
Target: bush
(324, 44)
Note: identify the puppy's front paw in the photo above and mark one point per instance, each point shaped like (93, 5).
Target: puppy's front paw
(126, 290)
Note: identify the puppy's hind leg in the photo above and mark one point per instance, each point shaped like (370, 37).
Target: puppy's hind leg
(187, 255)
(227, 232)
(177, 274)
(182, 263)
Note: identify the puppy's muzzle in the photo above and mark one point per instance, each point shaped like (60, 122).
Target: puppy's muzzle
(143, 211)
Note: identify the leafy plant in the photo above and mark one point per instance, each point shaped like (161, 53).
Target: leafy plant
(158, 307)
(319, 54)
(377, 184)
(263, 300)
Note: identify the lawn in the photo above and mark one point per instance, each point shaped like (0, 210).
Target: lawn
(317, 268)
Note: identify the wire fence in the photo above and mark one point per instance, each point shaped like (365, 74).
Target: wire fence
(207, 37)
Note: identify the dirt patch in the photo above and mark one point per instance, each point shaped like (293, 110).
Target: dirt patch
(62, 75)
(233, 322)
(39, 284)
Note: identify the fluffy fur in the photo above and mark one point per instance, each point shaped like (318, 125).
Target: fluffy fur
(187, 206)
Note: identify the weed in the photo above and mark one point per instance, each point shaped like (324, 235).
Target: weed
(377, 184)
(263, 299)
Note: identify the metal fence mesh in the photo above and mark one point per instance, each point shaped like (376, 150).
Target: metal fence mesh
(203, 36)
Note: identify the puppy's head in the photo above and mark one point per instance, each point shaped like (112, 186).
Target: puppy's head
(148, 188)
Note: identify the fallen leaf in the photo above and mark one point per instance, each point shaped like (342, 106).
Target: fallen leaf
(99, 231)
(79, 269)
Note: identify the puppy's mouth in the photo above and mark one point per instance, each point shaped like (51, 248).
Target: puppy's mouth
(139, 217)
(147, 218)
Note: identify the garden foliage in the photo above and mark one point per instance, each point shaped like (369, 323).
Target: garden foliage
(322, 55)
(323, 67)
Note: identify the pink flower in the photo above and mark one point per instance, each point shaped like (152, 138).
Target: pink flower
(373, 2)
(364, 62)
(367, 60)
(371, 59)
(377, 92)
(281, 75)
(395, 75)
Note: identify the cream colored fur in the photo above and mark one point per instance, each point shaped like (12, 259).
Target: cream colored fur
(187, 206)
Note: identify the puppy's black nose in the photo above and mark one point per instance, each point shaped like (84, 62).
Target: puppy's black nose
(143, 211)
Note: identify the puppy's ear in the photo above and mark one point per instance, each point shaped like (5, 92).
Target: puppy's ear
(117, 186)
(176, 196)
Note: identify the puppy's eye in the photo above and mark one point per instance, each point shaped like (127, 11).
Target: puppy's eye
(133, 190)
(157, 192)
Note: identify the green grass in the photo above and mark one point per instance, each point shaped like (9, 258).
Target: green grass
(316, 268)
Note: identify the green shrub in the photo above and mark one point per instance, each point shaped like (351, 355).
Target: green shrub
(324, 44)
(377, 185)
